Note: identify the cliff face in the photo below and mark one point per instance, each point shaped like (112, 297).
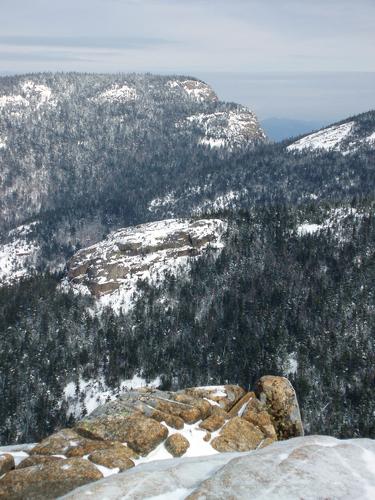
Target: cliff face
(231, 128)
(111, 269)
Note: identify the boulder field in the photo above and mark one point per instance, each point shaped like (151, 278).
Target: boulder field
(149, 424)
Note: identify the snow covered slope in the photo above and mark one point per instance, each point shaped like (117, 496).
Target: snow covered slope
(345, 137)
(309, 467)
(338, 221)
(112, 269)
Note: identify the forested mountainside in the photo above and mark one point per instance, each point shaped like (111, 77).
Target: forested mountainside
(283, 284)
(77, 146)
(290, 293)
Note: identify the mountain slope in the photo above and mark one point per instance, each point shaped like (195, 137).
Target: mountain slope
(288, 292)
(345, 137)
(69, 137)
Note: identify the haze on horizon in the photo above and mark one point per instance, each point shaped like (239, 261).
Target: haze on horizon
(292, 59)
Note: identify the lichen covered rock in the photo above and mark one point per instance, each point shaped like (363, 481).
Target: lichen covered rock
(212, 423)
(6, 463)
(280, 399)
(142, 434)
(177, 445)
(37, 460)
(238, 435)
(112, 458)
(49, 480)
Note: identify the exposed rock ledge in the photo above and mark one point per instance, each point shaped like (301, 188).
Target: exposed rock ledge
(150, 424)
(111, 269)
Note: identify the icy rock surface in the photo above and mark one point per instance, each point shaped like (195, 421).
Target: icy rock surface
(307, 467)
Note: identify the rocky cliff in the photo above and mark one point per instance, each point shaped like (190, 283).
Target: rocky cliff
(112, 269)
(150, 424)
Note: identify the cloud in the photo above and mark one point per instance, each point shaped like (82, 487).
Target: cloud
(130, 42)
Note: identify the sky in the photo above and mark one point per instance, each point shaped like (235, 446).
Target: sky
(311, 60)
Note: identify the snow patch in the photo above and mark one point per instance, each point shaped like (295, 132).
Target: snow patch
(18, 257)
(13, 101)
(31, 95)
(117, 94)
(41, 93)
(196, 90)
(307, 228)
(3, 142)
(85, 397)
(168, 200)
(335, 220)
(198, 447)
(371, 139)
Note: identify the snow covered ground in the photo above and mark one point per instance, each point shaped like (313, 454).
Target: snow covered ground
(31, 95)
(117, 94)
(335, 221)
(196, 90)
(18, 257)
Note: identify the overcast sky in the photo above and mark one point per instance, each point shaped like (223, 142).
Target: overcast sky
(305, 59)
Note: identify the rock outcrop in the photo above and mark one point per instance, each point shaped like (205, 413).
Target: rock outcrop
(142, 434)
(120, 434)
(6, 463)
(280, 399)
(49, 480)
(231, 128)
(111, 269)
(238, 435)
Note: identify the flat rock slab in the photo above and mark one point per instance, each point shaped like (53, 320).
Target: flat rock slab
(238, 435)
(142, 434)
